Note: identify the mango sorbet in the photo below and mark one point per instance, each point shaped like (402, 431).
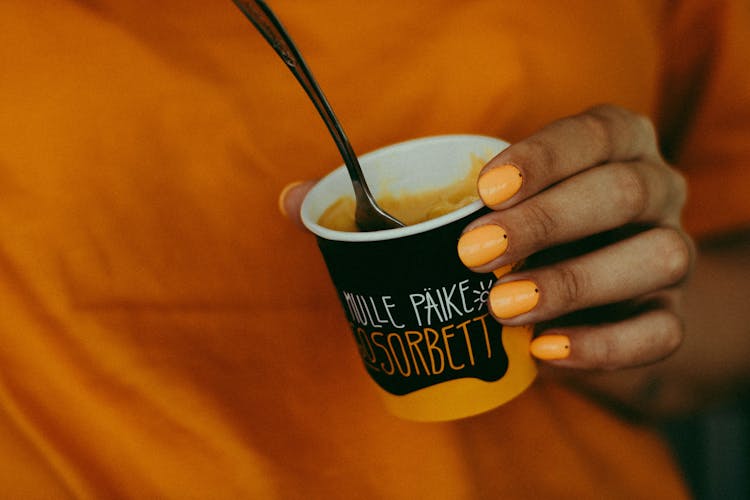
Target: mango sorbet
(409, 208)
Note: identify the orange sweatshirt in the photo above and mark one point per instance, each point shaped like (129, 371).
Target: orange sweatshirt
(164, 333)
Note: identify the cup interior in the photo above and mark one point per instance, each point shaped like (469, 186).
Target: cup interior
(413, 166)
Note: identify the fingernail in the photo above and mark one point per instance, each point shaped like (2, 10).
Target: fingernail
(502, 271)
(282, 196)
(513, 298)
(499, 184)
(482, 245)
(550, 347)
(507, 268)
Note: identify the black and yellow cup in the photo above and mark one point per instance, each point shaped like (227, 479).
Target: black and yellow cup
(418, 315)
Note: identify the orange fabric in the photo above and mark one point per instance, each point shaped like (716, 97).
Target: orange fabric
(705, 115)
(165, 334)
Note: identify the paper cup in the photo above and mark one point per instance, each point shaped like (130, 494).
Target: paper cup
(418, 315)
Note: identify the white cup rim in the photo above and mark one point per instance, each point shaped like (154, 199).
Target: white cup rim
(399, 232)
(402, 232)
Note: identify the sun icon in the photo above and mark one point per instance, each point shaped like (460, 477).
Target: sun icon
(482, 294)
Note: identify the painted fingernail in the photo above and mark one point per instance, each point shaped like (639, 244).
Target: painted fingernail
(282, 196)
(550, 347)
(499, 184)
(507, 268)
(502, 271)
(513, 298)
(482, 245)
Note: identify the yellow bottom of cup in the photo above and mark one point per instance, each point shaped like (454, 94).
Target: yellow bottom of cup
(465, 397)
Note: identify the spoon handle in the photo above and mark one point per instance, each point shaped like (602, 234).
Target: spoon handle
(270, 27)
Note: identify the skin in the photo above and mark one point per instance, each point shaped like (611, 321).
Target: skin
(652, 329)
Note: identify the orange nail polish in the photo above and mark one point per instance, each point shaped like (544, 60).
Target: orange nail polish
(499, 184)
(550, 347)
(507, 268)
(282, 196)
(481, 245)
(513, 298)
(502, 270)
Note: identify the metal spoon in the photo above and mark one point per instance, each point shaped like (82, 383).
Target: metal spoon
(368, 215)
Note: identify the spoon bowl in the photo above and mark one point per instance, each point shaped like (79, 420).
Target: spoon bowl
(368, 215)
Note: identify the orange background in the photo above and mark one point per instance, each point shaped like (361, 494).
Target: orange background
(164, 333)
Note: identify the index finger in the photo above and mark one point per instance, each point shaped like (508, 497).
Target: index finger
(599, 135)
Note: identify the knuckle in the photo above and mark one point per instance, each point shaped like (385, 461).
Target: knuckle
(543, 155)
(674, 332)
(678, 194)
(631, 192)
(645, 126)
(608, 122)
(606, 109)
(598, 126)
(673, 253)
(541, 223)
(572, 285)
(669, 329)
(647, 137)
(603, 353)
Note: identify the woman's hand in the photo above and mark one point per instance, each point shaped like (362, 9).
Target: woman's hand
(594, 209)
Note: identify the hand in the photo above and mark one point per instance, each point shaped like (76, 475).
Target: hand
(594, 209)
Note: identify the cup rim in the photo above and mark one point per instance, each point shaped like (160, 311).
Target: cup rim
(401, 232)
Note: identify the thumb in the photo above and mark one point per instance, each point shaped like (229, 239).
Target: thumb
(290, 200)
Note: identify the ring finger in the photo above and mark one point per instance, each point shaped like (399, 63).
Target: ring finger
(647, 262)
